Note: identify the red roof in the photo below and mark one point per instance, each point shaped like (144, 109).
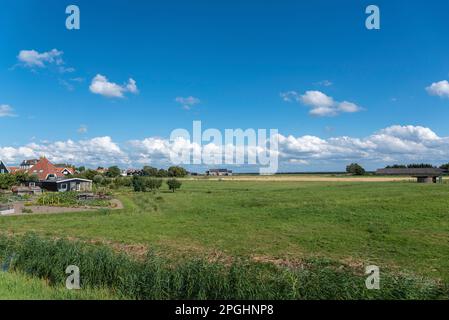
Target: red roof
(43, 168)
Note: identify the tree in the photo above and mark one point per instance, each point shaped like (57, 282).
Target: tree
(89, 174)
(138, 184)
(113, 172)
(149, 171)
(162, 173)
(396, 166)
(420, 165)
(176, 171)
(22, 177)
(174, 184)
(445, 166)
(355, 169)
(7, 180)
(153, 183)
(81, 169)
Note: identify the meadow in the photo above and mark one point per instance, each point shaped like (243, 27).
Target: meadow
(402, 227)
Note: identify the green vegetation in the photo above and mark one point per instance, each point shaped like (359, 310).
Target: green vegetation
(155, 277)
(143, 184)
(68, 199)
(113, 172)
(355, 169)
(401, 227)
(174, 184)
(15, 286)
(8, 180)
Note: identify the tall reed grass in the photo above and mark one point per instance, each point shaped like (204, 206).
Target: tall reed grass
(157, 278)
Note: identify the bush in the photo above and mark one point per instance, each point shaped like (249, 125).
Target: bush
(98, 179)
(143, 184)
(138, 184)
(173, 184)
(7, 180)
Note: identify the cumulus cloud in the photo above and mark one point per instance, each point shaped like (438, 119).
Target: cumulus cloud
(39, 60)
(102, 86)
(33, 58)
(394, 144)
(320, 104)
(440, 89)
(187, 102)
(6, 111)
(100, 150)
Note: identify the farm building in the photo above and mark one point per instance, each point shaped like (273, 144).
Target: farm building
(219, 172)
(423, 175)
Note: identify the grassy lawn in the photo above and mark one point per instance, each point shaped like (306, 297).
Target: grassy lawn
(399, 225)
(15, 286)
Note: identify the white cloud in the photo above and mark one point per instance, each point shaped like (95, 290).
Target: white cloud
(324, 83)
(131, 86)
(32, 58)
(320, 104)
(394, 144)
(289, 96)
(100, 85)
(188, 102)
(348, 107)
(440, 89)
(96, 151)
(82, 129)
(6, 111)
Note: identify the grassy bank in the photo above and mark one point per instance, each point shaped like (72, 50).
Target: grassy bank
(156, 278)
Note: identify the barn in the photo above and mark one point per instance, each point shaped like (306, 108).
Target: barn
(422, 175)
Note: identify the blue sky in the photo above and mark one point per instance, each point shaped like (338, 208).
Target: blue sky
(234, 59)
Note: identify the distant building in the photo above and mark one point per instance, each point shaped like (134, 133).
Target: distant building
(27, 164)
(3, 168)
(423, 175)
(101, 170)
(131, 172)
(219, 172)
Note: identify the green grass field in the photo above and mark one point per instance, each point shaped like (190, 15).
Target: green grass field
(396, 225)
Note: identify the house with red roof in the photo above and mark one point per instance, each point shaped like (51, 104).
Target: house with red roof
(45, 170)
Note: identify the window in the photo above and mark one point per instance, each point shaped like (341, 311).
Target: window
(63, 186)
